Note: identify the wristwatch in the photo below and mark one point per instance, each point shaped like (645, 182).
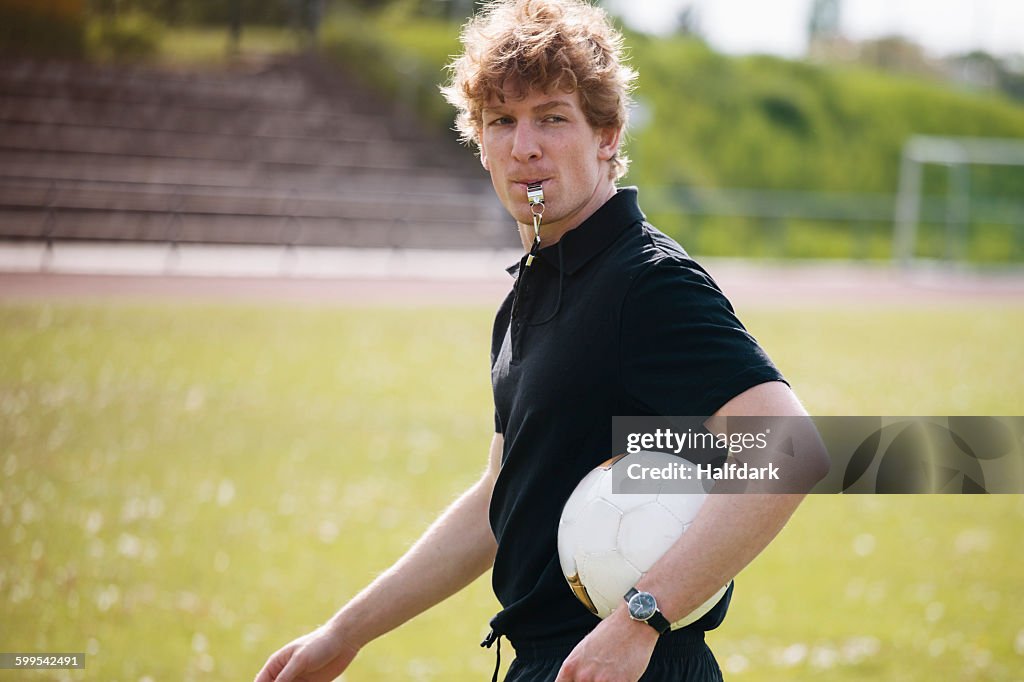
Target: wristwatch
(643, 606)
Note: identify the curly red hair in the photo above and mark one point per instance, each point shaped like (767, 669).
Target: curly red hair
(541, 45)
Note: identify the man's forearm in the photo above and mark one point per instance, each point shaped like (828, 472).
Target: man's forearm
(732, 529)
(729, 531)
(726, 536)
(457, 548)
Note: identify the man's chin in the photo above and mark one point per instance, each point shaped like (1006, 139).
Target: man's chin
(523, 216)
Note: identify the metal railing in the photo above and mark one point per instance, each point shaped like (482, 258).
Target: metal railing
(777, 210)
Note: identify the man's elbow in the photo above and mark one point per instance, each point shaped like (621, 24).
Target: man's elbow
(819, 466)
(813, 462)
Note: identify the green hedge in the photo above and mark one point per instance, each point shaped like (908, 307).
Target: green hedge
(753, 122)
(127, 37)
(400, 58)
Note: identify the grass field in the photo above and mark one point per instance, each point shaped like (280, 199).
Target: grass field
(185, 487)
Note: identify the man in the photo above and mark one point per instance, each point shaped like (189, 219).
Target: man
(607, 317)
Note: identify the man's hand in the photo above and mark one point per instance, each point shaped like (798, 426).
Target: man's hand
(319, 656)
(617, 650)
(457, 548)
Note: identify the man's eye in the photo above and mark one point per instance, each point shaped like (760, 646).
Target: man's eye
(503, 120)
(555, 119)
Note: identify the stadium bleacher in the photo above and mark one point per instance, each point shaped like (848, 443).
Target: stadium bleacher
(286, 152)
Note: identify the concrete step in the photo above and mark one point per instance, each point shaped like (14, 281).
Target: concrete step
(139, 84)
(234, 148)
(78, 224)
(26, 193)
(290, 84)
(39, 164)
(318, 119)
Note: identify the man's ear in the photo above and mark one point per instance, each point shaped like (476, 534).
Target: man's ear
(483, 152)
(608, 141)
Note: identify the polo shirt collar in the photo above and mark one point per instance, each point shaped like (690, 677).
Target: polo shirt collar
(594, 234)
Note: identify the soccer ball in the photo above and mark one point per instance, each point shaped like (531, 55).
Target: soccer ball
(607, 541)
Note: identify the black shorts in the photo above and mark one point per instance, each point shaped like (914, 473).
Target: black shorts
(678, 657)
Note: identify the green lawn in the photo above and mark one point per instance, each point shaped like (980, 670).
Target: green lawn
(183, 488)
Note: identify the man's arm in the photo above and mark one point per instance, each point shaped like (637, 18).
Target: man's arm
(457, 548)
(728, 532)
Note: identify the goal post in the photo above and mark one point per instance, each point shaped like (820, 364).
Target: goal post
(958, 154)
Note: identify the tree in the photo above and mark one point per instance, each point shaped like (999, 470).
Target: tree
(688, 22)
(824, 21)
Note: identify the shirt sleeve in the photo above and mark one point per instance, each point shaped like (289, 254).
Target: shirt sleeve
(683, 350)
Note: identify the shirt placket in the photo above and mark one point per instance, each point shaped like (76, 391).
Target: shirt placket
(524, 306)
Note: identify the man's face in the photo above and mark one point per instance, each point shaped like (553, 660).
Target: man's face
(544, 137)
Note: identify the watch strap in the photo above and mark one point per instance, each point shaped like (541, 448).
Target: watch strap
(659, 622)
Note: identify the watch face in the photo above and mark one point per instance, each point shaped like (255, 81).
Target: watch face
(642, 606)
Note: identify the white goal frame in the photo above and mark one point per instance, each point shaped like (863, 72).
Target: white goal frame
(957, 153)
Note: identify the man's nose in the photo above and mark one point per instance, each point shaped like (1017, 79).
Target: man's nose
(525, 143)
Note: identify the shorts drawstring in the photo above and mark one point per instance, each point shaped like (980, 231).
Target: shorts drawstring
(490, 639)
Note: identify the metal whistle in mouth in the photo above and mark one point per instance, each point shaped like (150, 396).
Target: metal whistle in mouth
(535, 194)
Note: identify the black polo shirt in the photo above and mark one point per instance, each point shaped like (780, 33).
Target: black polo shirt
(614, 319)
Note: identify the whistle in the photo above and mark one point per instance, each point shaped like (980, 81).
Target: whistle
(535, 194)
